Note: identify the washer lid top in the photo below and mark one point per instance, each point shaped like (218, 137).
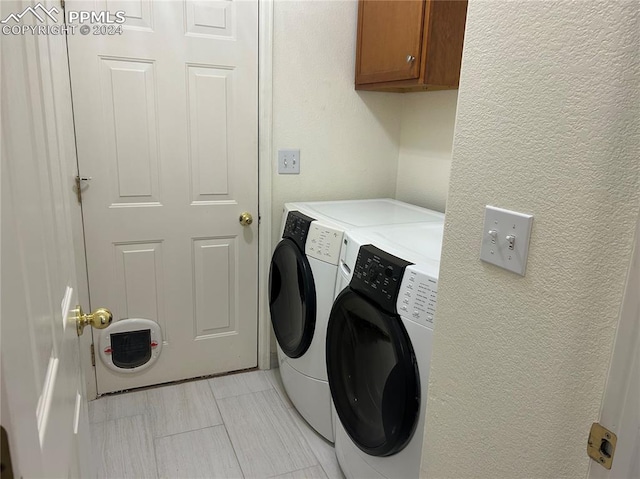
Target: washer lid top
(360, 213)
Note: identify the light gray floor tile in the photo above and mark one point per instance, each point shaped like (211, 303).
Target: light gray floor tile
(125, 448)
(97, 410)
(205, 453)
(322, 449)
(116, 406)
(97, 447)
(182, 407)
(237, 384)
(264, 436)
(276, 381)
(314, 472)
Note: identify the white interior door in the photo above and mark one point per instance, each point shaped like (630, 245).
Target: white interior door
(621, 403)
(44, 403)
(166, 124)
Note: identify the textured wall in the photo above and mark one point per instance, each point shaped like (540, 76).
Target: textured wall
(548, 124)
(348, 139)
(426, 140)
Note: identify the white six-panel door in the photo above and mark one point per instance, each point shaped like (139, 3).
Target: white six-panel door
(44, 400)
(166, 124)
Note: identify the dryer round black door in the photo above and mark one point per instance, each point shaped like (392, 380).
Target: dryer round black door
(292, 298)
(373, 375)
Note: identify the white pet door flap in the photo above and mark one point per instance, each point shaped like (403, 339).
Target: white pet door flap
(130, 345)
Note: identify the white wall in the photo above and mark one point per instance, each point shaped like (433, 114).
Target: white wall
(426, 141)
(348, 139)
(548, 124)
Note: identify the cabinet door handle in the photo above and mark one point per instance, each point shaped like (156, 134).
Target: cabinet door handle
(410, 58)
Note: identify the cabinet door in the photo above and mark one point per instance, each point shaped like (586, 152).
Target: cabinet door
(389, 40)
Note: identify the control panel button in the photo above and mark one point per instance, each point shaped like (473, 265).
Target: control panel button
(417, 293)
(324, 243)
(296, 227)
(377, 275)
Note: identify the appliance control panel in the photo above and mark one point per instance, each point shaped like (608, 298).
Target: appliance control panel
(417, 297)
(324, 243)
(297, 228)
(377, 275)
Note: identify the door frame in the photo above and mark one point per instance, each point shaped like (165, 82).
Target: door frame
(265, 153)
(618, 376)
(265, 145)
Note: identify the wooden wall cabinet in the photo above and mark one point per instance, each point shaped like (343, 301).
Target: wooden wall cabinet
(409, 45)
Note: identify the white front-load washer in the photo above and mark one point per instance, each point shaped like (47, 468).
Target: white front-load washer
(302, 281)
(378, 349)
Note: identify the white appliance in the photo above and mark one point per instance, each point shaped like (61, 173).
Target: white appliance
(379, 348)
(302, 281)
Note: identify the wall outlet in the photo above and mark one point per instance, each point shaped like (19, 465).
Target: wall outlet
(505, 239)
(289, 162)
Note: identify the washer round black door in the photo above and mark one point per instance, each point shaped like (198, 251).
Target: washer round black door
(373, 375)
(292, 298)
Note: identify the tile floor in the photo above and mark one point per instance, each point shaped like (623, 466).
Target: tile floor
(242, 425)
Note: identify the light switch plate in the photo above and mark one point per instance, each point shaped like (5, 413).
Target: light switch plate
(289, 162)
(505, 239)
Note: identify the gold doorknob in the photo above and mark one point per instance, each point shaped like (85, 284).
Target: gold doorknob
(99, 319)
(245, 219)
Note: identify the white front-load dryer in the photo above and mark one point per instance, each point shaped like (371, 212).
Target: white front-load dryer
(378, 350)
(301, 278)
(302, 281)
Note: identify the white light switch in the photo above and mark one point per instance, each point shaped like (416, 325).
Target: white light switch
(289, 162)
(505, 239)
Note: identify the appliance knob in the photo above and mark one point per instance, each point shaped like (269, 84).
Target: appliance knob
(376, 272)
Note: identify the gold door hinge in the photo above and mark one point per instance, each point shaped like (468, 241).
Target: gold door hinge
(93, 356)
(78, 186)
(601, 445)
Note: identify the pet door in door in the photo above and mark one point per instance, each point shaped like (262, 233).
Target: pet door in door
(131, 349)
(130, 345)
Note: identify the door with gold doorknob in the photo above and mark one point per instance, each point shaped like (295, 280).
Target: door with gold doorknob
(166, 123)
(42, 386)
